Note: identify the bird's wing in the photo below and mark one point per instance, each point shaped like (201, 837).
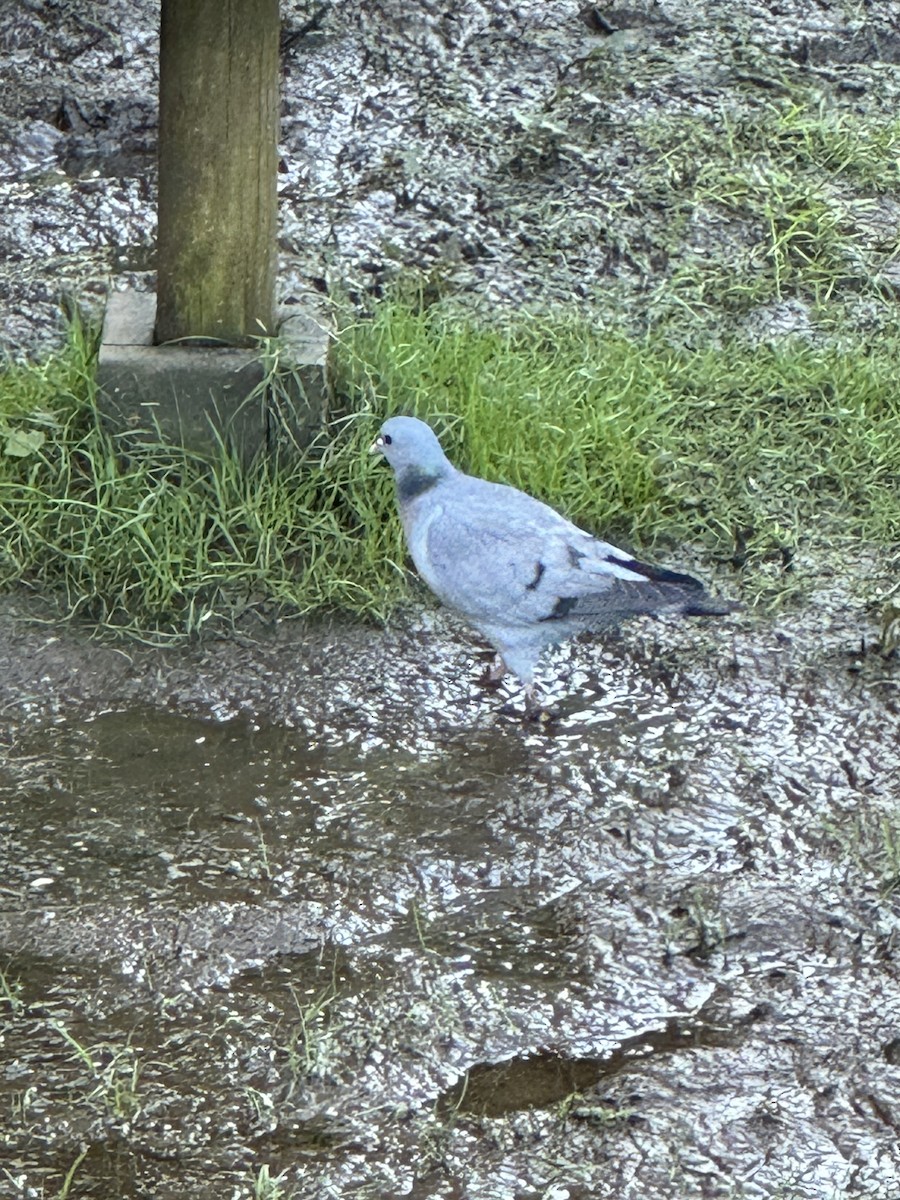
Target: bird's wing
(498, 555)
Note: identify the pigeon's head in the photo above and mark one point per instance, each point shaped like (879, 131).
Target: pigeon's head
(412, 449)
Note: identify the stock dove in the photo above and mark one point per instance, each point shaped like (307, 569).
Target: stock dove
(511, 566)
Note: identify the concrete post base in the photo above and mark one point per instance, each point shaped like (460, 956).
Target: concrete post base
(197, 395)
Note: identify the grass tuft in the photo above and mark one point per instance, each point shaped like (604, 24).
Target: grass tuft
(159, 541)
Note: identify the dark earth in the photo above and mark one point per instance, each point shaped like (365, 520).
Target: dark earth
(305, 910)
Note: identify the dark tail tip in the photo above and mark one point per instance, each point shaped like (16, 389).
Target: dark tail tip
(710, 606)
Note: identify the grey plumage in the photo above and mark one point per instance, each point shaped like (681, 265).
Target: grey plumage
(517, 571)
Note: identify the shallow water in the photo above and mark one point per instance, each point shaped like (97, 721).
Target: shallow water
(371, 930)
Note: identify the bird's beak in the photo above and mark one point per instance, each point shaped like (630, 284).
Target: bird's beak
(376, 445)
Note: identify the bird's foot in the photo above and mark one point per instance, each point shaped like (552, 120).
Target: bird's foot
(534, 712)
(534, 708)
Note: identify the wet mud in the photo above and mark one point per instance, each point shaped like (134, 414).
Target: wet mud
(308, 908)
(497, 148)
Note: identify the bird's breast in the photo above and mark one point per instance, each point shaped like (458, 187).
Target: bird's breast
(417, 523)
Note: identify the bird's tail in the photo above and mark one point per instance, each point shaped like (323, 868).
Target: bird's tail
(708, 606)
(629, 598)
(678, 595)
(675, 592)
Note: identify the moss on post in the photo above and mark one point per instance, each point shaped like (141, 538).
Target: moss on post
(218, 135)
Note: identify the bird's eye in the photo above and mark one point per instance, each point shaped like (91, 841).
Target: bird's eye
(386, 439)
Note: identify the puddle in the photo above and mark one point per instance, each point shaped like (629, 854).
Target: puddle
(369, 935)
(125, 804)
(493, 1089)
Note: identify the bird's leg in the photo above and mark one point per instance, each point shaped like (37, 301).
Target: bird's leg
(494, 673)
(534, 710)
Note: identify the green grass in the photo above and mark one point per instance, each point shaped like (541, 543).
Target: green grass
(265, 1185)
(870, 839)
(149, 537)
(727, 447)
(766, 198)
(645, 440)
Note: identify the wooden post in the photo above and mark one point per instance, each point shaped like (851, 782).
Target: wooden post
(218, 139)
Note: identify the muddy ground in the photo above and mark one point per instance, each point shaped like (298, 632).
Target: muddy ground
(518, 154)
(306, 908)
(311, 900)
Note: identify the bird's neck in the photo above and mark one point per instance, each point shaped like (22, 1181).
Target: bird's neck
(415, 481)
